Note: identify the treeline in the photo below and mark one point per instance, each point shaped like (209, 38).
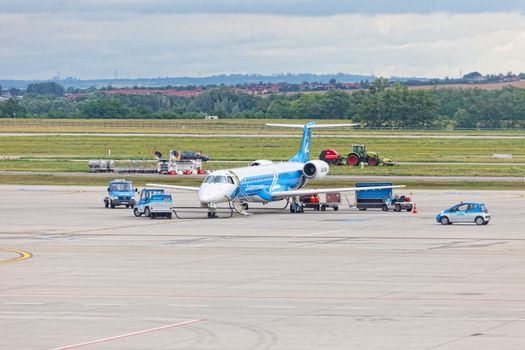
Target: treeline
(378, 106)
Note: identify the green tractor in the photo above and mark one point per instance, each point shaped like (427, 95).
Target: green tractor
(360, 155)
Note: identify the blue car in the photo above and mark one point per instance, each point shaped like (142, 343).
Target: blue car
(465, 212)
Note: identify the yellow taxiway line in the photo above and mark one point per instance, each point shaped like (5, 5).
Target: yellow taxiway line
(21, 255)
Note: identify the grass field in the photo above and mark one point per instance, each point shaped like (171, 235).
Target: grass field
(464, 156)
(228, 148)
(56, 153)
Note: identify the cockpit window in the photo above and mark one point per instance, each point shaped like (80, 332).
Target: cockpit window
(220, 179)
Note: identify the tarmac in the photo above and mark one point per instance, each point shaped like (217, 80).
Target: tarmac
(75, 275)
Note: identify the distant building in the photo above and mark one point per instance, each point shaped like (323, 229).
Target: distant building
(126, 91)
(166, 92)
(211, 117)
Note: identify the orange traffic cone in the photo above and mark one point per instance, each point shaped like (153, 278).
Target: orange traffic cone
(414, 210)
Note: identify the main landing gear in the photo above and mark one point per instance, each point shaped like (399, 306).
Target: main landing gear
(296, 207)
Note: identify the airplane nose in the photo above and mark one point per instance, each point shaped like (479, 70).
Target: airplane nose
(204, 197)
(213, 194)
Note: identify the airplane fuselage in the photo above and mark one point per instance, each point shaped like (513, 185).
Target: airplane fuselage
(258, 182)
(254, 183)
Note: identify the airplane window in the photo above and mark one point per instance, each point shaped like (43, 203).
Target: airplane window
(209, 179)
(220, 180)
(230, 180)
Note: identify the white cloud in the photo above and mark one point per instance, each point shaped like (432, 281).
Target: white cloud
(36, 45)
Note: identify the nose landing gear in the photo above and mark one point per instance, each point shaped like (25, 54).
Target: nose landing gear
(212, 211)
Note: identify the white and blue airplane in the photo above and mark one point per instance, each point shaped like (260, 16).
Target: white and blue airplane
(264, 181)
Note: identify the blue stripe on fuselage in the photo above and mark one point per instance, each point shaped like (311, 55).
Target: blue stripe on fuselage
(261, 185)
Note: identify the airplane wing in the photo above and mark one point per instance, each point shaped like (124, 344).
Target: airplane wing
(295, 193)
(313, 126)
(184, 188)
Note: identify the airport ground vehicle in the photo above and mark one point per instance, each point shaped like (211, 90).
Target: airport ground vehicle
(398, 203)
(101, 166)
(310, 201)
(120, 192)
(193, 155)
(332, 200)
(153, 203)
(382, 198)
(186, 162)
(358, 156)
(465, 212)
(179, 167)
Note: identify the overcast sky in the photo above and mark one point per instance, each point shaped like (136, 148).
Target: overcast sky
(150, 38)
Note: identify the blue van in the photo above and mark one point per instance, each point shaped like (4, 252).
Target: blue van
(120, 192)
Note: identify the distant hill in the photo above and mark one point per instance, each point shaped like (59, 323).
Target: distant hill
(228, 80)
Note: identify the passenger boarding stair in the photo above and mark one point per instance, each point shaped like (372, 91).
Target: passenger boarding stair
(238, 206)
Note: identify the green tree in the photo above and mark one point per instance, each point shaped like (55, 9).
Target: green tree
(463, 119)
(279, 108)
(15, 92)
(11, 109)
(104, 108)
(223, 102)
(335, 104)
(379, 85)
(46, 88)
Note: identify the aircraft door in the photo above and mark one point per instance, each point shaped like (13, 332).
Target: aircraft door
(235, 179)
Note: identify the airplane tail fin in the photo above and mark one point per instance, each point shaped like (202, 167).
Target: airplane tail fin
(303, 155)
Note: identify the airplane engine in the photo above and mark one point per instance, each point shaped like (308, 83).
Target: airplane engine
(315, 169)
(261, 162)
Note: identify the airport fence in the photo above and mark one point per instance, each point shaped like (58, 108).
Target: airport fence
(229, 124)
(127, 124)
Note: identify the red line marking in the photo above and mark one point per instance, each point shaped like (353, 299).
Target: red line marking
(98, 341)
